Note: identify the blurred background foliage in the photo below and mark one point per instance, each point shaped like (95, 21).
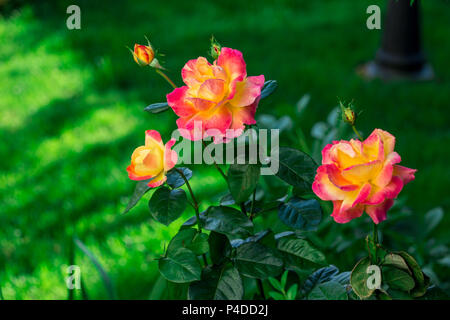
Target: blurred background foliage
(71, 113)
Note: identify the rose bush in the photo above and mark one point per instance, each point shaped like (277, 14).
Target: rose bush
(227, 250)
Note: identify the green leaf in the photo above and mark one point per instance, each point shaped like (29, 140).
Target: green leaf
(182, 239)
(321, 275)
(217, 284)
(399, 294)
(167, 205)
(276, 284)
(257, 261)
(192, 221)
(174, 178)
(276, 295)
(396, 261)
(330, 290)
(301, 214)
(296, 168)
(227, 200)
(284, 279)
(268, 88)
(432, 219)
(419, 278)
(242, 180)
(199, 244)
(291, 294)
(358, 279)
(265, 237)
(219, 247)
(180, 266)
(228, 221)
(303, 103)
(397, 279)
(103, 274)
(301, 251)
(435, 293)
(191, 239)
(140, 189)
(157, 107)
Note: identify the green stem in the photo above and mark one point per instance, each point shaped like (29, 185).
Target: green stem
(162, 74)
(375, 241)
(357, 133)
(252, 208)
(197, 212)
(243, 209)
(194, 200)
(261, 288)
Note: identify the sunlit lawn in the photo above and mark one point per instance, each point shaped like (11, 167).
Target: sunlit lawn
(71, 113)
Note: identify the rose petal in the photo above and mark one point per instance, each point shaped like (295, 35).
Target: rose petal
(152, 136)
(404, 173)
(196, 71)
(378, 212)
(233, 63)
(158, 180)
(247, 91)
(373, 147)
(212, 90)
(324, 188)
(335, 176)
(390, 191)
(362, 172)
(347, 215)
(356, 197)
(388, 140)
(385, 175)
(179, 103)
(170, 156)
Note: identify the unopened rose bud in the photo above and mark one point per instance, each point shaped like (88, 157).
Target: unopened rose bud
(348, 114)
(143, 55)
(215, 48)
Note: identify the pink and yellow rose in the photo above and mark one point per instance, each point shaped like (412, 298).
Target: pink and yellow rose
(216, 98)
(361, 176)
(152, 160)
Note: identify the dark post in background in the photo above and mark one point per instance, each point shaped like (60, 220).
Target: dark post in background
(401, 54)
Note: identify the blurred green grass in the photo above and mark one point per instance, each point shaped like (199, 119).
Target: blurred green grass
(71, 114)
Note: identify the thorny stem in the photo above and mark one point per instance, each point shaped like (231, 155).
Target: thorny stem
(162, 74)
(197, 213)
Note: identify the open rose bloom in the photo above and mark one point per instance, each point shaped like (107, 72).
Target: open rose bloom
(361, 176)
(152, 160)
(216, 98)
